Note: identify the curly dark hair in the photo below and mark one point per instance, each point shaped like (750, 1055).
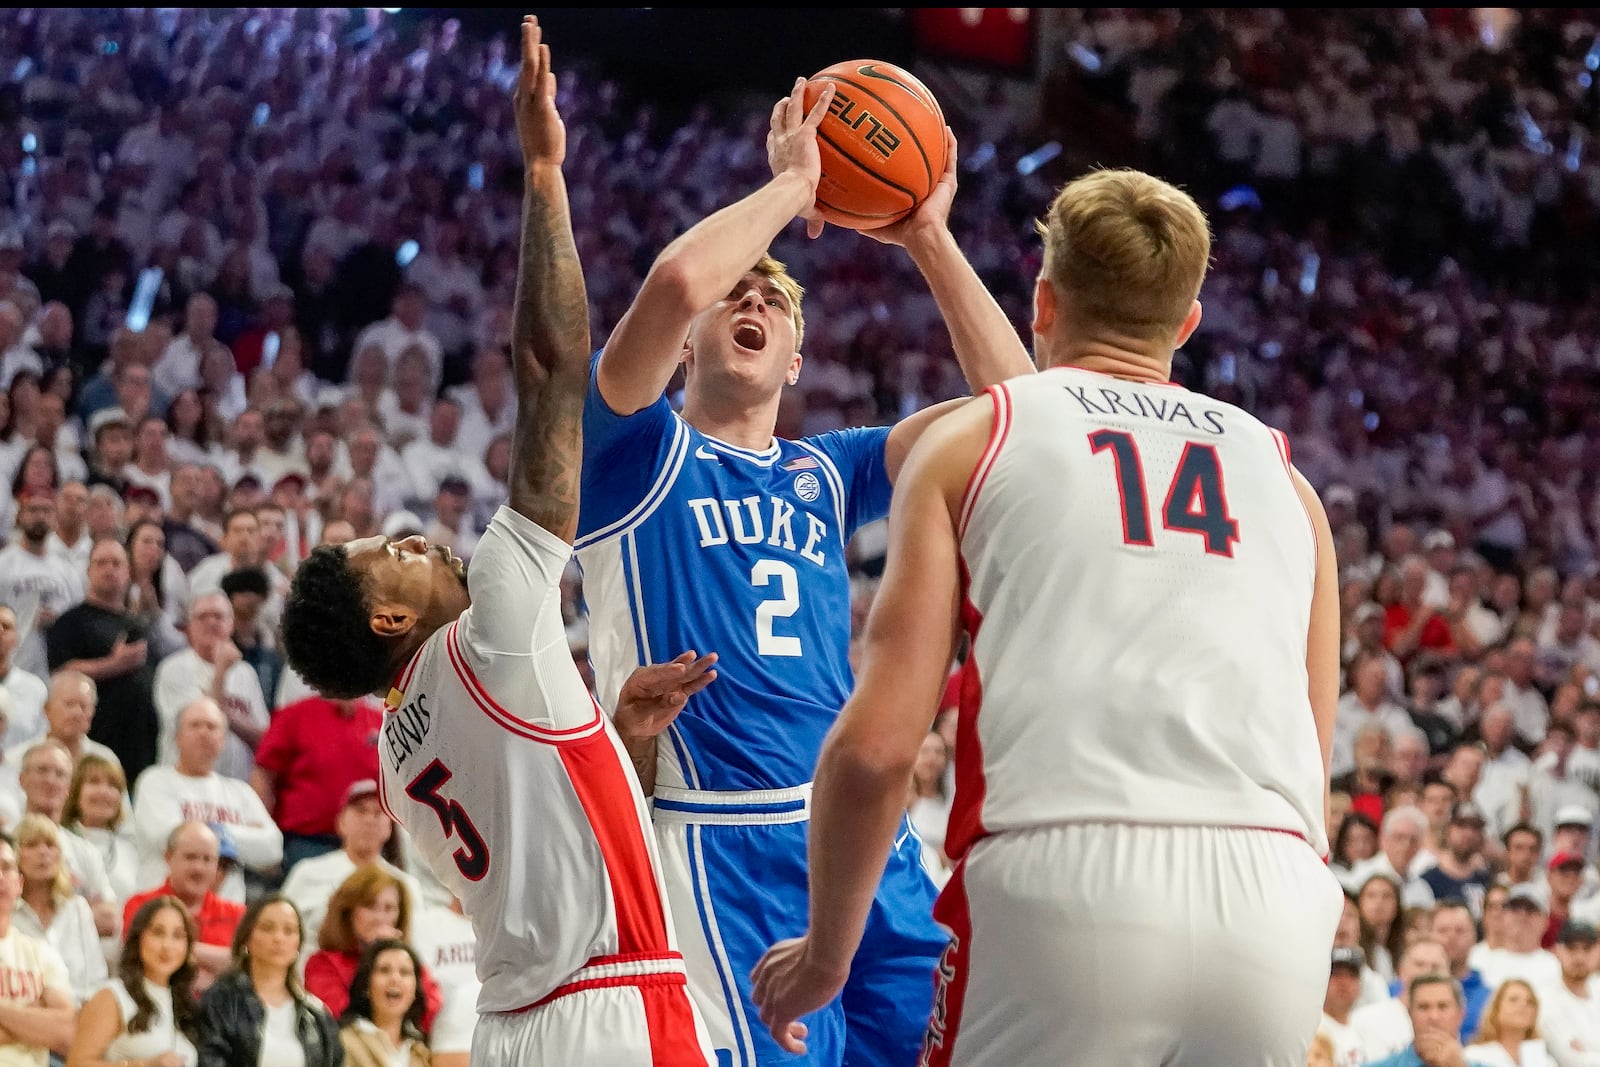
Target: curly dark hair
(131, 971)
(325, 634)
(361, 989)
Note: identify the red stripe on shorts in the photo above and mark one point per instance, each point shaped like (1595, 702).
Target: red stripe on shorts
(950, 978)
(674, 1041)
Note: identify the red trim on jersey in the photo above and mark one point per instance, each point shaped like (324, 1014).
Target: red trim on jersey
(966, 810)
(950, 977)
(1283, 446)
(383, 800)
(607, 793)
(1282, 441)
(500, 715)
(997, 438)
(402, 678)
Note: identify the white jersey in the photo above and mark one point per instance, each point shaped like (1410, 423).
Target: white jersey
(517, 792)
(1139, 580)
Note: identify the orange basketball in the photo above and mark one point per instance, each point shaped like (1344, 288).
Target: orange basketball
(882, 142)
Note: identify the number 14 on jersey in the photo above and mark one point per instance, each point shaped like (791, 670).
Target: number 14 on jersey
(1195, 503)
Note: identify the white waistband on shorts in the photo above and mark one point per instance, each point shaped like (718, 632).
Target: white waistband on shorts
(748, 808)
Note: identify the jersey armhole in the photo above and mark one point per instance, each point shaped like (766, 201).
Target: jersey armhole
(479, 694)
(1281, 441)
(997, 439)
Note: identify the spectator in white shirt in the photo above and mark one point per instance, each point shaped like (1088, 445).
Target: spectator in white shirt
(1400, 840)
(1505, 771)
(52, 911)
(405, 408)
(375, 462)
(1530, 714)
(452, 522)
(36, 1008)
(1344, 989)
(37, 584)
(1526, 917)
(488, 408)
(71, 539)
(192, 791)
(365, 830)
(403, 329)
(1569, 1010)
(241, 547)
(179, 366)
(436, 456)
(46, 775)
(26, 689)
(151, 466)
(1367, 701)
(213, 667)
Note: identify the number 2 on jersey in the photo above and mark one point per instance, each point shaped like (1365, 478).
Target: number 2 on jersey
(1195, 500)
(472, 858)
(781, 607)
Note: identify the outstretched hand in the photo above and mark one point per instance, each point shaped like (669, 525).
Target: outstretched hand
(792, 143)
(933, 213)
(539, 125)
(654, 695)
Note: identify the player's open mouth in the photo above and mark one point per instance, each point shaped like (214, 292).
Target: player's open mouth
(749, 335)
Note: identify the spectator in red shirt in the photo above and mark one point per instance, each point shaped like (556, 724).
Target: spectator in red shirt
(310, 756)
(370, 906)
(194, 855)
(1411, 624)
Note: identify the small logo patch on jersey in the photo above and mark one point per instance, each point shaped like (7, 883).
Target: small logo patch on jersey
(704, 453)
(801, 463)
(807, 486)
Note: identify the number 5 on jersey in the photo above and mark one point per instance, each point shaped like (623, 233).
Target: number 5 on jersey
(472, 858)
(1196, 502)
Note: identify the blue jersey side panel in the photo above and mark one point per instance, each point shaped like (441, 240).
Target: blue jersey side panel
(736, 552)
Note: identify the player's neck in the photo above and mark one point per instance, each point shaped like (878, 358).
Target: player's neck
(743, 425)
(1118, 357)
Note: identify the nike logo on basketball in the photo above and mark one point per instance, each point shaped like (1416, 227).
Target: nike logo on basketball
(704, 453)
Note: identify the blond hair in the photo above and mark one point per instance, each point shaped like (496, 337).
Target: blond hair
(774, 271)
(1489, 1029)
(1127, 251)
(35, 827)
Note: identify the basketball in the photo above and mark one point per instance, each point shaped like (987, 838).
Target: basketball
(882, 142)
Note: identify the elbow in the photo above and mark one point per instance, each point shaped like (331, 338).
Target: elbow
(674, 281)
(868, 764)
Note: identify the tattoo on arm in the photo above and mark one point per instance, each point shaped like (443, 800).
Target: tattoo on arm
(550, 360)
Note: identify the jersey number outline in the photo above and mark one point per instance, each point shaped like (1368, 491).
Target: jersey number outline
(780, 607)
(1196, 501)
(472, 858)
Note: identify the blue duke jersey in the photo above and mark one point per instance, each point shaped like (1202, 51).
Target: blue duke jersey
(689, 542)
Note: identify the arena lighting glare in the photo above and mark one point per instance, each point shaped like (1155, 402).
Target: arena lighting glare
(1038, 158)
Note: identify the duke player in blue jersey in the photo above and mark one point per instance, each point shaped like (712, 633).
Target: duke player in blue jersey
(706, 529)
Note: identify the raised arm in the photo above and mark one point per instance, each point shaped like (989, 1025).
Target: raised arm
(986, 343)
(700, 267)
(550, 327)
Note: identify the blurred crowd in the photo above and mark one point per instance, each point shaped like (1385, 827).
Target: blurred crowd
(247, 308)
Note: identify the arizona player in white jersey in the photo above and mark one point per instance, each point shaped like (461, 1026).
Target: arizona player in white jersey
(514, 785)
(706, 528)
(1147, 706)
